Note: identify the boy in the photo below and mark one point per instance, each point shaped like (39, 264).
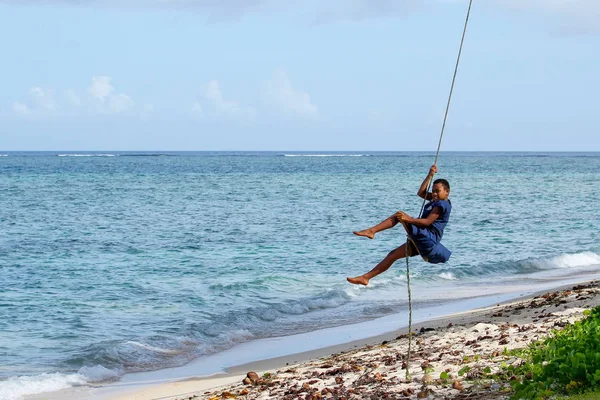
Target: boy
(424, 233)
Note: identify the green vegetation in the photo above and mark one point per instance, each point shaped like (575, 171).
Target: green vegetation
(584, 396)
(566, 363)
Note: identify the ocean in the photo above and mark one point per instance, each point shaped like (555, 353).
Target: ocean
(114, 263)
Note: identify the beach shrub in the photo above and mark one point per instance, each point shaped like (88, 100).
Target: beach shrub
(584, 396)
(568, 362)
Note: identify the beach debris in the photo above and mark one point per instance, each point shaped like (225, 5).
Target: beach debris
(465, 355)
(251, 378)
(457, 385)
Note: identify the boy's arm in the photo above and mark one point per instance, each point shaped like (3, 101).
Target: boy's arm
(420, 222)
(423, 193)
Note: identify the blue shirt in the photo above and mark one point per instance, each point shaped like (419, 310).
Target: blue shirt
(440, 223)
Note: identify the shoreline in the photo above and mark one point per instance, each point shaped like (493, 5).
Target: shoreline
(231, 379)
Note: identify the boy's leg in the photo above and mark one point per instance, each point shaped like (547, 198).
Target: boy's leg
(383, 225)
(383, 266)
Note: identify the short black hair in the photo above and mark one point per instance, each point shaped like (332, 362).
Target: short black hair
(443, 182)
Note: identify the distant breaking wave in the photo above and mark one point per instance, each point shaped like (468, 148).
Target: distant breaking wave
(87, 155)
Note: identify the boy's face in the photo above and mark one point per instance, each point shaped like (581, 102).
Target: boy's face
(439, 192)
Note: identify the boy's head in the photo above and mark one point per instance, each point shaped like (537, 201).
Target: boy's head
(440, 189)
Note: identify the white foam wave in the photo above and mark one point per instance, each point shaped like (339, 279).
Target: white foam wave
(3, 155)
(17, 387)
(98, 373)
(564, 261)
(447, 275)
(325, 155)
(87, 155)
(153, 348)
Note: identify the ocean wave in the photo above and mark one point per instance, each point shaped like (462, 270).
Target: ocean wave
(447, 275)
(17, 387)
(329, 299)
(154, 349)
(564, 261)
(228, 340)
(254, 317)
(87, 155)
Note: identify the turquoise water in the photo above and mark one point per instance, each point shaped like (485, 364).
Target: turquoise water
(113, 263)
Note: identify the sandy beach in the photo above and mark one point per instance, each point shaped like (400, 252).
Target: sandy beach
(450, 358)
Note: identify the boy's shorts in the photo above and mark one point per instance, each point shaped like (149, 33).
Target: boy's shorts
(423, 242)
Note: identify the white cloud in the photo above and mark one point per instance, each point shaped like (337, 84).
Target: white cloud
(568, 6)
(101, 88)
(214, 96)
(322, 11)
(580, 16)
(331, 9)
(43, 98)
(214, 9)
(101, 98)
(574, 16)
(21, 109)
(358, 10)
(41, 103)
(105, 101)
(119, 103)
(280, 91)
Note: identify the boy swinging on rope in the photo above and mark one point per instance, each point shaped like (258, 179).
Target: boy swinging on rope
(424, 233)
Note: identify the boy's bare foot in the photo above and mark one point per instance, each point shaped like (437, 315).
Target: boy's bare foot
(367, 233)
(359, 280)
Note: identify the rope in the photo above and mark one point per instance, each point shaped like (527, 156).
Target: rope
(462, 40)
(409, 315)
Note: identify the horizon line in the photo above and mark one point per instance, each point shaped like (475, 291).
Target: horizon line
(300, 151)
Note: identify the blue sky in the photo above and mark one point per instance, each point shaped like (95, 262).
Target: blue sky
(319, 75)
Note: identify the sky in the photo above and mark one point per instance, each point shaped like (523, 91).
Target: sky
(347, 75)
